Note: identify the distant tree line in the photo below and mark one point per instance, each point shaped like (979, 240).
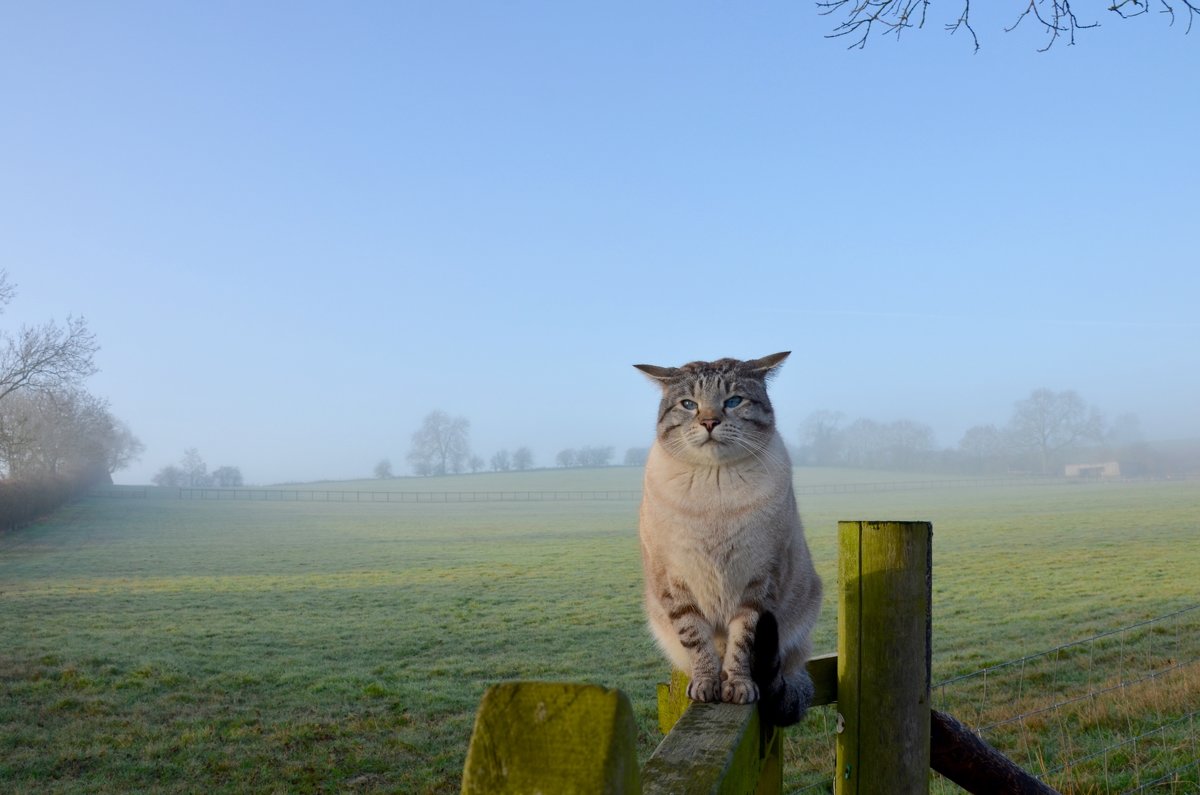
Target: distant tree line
(636, 456)
(1046, 430)
(56, 439)
(520, 460)
(584, 457)
(192, 472)
(442, 446)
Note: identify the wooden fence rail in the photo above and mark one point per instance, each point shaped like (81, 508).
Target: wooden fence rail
(574, 738)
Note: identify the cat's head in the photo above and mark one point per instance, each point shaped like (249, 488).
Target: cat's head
(715, 412)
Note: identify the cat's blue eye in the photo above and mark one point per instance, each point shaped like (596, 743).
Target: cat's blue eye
(690, 405)
(733, 402)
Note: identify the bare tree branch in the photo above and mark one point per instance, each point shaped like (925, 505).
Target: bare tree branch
(47, 357)
(7, 291)
(1060, 20)
(862, 18)
(1193, 10)
(964, 21)
(893, 15)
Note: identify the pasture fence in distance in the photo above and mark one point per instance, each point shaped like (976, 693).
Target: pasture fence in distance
(411, 495)
(279, 494)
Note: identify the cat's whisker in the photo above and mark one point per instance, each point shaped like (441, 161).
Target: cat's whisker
(758, 451)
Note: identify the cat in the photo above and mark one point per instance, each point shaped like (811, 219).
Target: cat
(731, 592)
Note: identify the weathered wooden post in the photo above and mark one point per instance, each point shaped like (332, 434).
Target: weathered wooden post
(552, 738)
(884, 584)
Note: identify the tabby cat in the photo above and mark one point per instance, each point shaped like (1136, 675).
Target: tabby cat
(731, 593)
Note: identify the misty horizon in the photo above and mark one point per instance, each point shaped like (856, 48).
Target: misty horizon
(291, 248)
(545, 457)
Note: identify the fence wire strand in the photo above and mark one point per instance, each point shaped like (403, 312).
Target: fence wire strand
(1051, 719)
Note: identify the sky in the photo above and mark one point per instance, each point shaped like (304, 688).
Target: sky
(296, 228)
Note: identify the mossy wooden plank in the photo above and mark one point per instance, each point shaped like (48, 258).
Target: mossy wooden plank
(883, 658)
(672, 701)
(552, 738)
(714, 748)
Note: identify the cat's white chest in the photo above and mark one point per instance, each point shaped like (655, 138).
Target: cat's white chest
(708, 526)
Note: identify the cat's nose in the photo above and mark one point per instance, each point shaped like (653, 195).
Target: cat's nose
(710, 423)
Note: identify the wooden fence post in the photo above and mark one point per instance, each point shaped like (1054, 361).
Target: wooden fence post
(552, 738)
(884, 634)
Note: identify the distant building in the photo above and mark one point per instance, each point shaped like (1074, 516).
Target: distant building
(1111, 469)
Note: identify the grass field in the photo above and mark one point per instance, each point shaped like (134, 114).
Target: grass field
(161, 645)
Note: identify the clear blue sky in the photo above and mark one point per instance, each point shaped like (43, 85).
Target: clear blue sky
(296, 228)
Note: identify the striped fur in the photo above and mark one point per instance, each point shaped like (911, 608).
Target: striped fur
(722, 543)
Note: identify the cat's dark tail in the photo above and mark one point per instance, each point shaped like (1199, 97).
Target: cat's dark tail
(783, 702)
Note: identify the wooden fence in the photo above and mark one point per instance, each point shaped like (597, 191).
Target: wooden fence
(412, 495)
(574, 738)
(280, 494)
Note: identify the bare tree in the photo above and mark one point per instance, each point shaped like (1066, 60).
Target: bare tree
(20, 425)
(1048, 423)
(636, 456)
(383, 470)
(501, 461)
(594, 456)
(441, 445)
(1126, 429)
(170, 475)
(1058, 18)
(46, 357)
(567, 458)
(522, 459)
(62, 432)
(121, 446)
(194, 469)
(227, 477)
(983, 445)
(821, 437)
(907, 443)
(860, 443)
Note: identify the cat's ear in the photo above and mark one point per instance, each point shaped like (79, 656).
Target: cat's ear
(660, 374)
(767, 364)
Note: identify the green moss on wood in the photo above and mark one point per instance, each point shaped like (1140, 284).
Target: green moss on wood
(552, 738)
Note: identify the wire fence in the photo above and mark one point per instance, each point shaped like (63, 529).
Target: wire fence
(1117, 712)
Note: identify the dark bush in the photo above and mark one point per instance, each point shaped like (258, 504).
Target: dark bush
(22, 501)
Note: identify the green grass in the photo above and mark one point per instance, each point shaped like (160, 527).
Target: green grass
(173, 646)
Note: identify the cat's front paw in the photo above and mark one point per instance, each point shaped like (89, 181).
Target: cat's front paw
(739, 690)
(704, 688)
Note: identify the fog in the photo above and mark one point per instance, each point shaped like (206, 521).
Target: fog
(292, 245)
